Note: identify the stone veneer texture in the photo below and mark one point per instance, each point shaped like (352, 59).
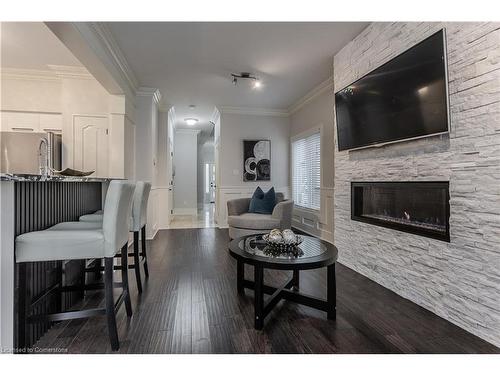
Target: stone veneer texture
(460, 280)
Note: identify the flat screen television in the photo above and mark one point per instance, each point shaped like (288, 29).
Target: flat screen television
(405, 98)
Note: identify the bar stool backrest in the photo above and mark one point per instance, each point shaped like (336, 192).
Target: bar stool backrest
(117, 210)
(140, 205)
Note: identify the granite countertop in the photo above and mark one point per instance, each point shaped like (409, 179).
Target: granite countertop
(40, 178)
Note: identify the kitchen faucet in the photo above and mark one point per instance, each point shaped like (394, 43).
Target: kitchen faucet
(43, 157)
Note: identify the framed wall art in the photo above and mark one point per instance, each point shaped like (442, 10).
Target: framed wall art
(257, 160)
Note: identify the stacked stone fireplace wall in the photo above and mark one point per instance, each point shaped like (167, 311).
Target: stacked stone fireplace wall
(459, 280)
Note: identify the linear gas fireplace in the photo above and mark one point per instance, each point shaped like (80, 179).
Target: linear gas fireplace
(421, 208)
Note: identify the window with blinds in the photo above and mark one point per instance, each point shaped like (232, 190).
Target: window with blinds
(306, 171)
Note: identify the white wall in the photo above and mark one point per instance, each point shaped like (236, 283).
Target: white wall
(185, 162)
(31, 94)
(318, 111)
(146, 147)
(163, 176)
(234, 128)
(161, 141)
(129, 148)
(121, 137)
(143, 138)
(459, 280)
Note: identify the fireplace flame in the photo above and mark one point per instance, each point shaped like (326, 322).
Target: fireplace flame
(407, 215)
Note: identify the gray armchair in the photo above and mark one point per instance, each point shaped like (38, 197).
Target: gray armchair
(243, 223)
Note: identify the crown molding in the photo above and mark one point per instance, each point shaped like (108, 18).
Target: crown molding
(29, 74)
(65, 71)
(54, 73)
(311, 95)
(151, 92)
(255, 111)
(162, 107)
(110, 45)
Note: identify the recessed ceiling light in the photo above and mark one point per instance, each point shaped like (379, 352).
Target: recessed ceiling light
(191, 121)
(257, 84)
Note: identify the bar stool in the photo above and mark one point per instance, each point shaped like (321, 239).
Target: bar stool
(137, 224)
(87, 243)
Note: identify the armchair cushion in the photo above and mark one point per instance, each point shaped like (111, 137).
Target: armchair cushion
(253, 221)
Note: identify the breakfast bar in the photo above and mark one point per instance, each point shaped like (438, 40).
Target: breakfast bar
(31, 203)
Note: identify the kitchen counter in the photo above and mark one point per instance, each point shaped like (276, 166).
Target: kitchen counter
(41, 178)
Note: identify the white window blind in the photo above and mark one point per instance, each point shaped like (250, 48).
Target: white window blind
(306, 171)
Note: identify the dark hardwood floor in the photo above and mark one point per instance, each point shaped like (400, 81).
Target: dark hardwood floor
(190, 305)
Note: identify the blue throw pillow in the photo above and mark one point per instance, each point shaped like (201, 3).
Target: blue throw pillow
(262, 203)
(258, 194)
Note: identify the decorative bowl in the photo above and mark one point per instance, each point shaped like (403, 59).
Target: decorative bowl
(72, 173)
(283, 244)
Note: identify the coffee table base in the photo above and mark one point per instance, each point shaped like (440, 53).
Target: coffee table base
(288, 291)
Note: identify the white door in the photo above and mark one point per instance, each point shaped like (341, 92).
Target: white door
(209, 180)
(91, 144)
(217, 182)
(170, 176)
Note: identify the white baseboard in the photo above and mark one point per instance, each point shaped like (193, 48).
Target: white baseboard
(153, 236)
(185, 211)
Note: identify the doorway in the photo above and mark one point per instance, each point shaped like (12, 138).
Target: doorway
(206, 179)
(194, 177)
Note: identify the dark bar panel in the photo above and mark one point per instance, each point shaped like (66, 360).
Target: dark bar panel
(39, 205)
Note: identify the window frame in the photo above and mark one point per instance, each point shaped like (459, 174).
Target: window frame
(305, 134)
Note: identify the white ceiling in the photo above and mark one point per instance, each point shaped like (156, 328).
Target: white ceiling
(191, 62)
(31, 45)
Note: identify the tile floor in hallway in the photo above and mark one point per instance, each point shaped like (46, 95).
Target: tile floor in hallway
(205, 218)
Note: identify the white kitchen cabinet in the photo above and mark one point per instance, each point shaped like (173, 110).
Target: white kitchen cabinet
(31, 122)
(51, 122)
(20, 121)
(91, 144)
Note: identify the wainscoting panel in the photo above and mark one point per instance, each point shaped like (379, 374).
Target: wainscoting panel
(153, 221)
(317, 223)
(163, 207)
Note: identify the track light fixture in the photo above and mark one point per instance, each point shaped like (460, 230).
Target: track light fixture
(246, 76)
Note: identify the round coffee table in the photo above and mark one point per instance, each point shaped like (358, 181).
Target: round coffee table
(313, 253)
